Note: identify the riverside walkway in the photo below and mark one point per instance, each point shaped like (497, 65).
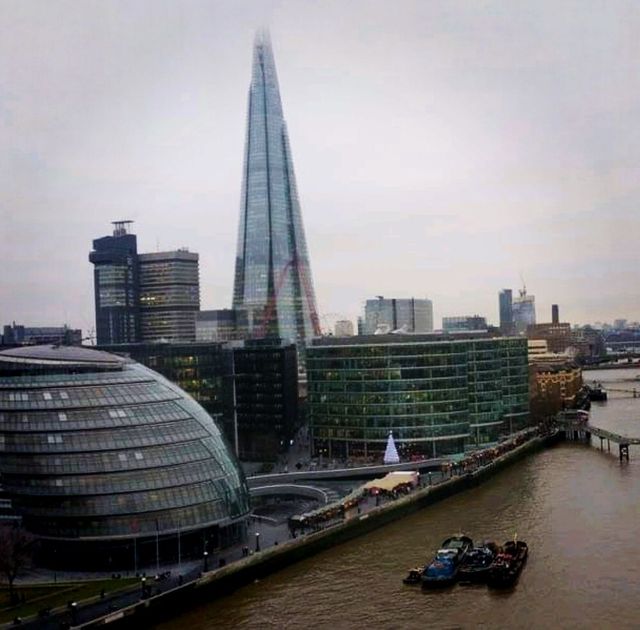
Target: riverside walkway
(271, 547)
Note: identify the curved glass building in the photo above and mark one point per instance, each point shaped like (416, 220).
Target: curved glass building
(108, 460)
(439, 394)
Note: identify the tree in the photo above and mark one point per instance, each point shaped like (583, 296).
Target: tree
(16, 552)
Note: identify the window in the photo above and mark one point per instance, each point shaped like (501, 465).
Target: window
(62, 416)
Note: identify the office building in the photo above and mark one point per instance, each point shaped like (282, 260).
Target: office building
(169, 296)
(439, 394)
(555, 314)
(382, 315)
(266, 399)
(221, 325)
(116, 286)
(558, 336)
(110, 465)
(16, 334)
(343, 328)
(524, 311)
(249, 388)
(505, 300)
(587, 343)
(463, 323)
(272, 272)
(143, 297)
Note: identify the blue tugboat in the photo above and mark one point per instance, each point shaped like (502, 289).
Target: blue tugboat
(443, 569)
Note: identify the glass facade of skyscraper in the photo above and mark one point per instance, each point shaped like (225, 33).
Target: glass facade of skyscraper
(438, 394)
(272, 275)
(505, 301)
(116, 286)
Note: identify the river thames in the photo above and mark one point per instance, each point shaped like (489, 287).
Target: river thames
(577, 508)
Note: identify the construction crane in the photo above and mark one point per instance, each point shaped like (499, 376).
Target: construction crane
(271, 302)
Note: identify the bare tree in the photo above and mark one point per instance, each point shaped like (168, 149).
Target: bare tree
(16, 552)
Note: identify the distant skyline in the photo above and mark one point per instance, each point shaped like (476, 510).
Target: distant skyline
(442, 149)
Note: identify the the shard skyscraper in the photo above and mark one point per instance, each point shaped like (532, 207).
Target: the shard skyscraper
(272, 276)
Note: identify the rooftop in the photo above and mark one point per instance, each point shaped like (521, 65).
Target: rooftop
(397, 338)
(60, 355)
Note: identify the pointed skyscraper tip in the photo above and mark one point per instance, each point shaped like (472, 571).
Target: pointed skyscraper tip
(273, 276)
(262, 37)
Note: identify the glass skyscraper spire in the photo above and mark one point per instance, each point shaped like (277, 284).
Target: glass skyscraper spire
(272, 276)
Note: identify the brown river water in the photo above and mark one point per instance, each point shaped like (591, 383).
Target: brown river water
(577, 508)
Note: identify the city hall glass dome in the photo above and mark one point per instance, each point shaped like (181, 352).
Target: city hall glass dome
(97, 448)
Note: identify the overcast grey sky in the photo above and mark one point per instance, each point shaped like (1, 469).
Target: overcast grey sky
(441, 147)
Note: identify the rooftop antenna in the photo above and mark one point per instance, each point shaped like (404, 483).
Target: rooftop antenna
(121, 228)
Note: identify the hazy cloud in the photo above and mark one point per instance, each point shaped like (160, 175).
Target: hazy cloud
(442, 148)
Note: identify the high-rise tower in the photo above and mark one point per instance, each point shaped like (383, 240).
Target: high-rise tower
(272, 276)
(117, 290)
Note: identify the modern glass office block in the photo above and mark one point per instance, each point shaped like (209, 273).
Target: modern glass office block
(439, 394)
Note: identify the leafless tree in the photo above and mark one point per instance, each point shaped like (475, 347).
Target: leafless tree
(16, 553)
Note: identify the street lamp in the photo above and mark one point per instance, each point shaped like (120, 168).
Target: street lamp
(143, 584)
(257, 541)
(206, 561)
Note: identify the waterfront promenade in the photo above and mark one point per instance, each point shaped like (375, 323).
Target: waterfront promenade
(240, 567)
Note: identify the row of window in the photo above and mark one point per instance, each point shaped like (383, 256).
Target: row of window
(149, 523)
(83, 441)
(92, 418)
(165, 477)
(97, 396)
(399, 433)
(125, 503)
(105, 461)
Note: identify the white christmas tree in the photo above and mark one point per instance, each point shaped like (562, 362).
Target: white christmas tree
(391, 453)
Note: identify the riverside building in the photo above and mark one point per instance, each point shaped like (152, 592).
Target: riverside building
(439, 394)
(110, 465)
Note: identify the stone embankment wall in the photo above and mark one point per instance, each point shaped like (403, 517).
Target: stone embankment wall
(225, 580)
